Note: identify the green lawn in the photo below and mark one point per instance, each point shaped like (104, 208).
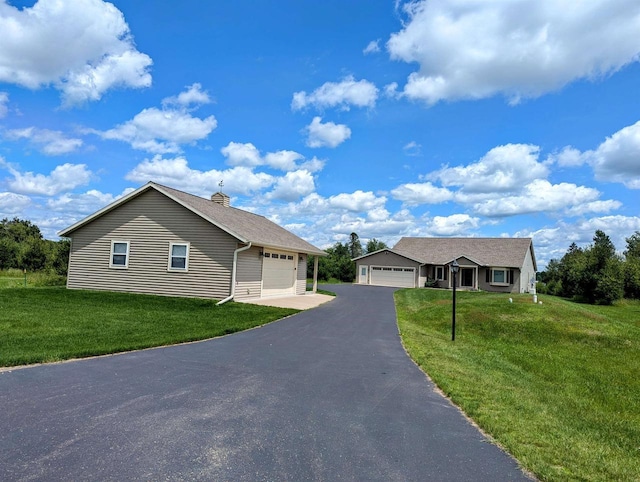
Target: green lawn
(50, 324)
(557, 384)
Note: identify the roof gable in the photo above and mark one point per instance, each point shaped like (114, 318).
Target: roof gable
(244, 226)
(388, 251)
(505, 252)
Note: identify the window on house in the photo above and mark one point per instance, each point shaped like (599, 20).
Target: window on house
(440, 273)
(178, 256)
(501, 276)
(119, 254)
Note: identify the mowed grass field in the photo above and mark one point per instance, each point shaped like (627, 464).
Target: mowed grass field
(52, 324)
(557, 384)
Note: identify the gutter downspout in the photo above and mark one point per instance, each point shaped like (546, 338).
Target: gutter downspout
(233, 274)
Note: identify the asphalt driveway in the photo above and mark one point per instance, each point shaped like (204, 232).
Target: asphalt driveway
(327, 394)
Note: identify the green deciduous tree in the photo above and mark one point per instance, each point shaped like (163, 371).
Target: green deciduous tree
(595, 274)
(631, 268)
(374, 245)
(22, 246)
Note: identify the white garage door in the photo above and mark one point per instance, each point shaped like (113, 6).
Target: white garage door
(278, 273)
(393, 276)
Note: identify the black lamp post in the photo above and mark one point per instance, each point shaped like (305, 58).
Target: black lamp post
(455, 267)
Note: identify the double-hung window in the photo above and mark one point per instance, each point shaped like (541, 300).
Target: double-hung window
(119, 254)
(178, 256)
(440, 273)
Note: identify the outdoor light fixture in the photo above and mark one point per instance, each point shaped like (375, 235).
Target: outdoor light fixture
(455, 267)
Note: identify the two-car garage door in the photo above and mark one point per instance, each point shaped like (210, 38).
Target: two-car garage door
(393, 276)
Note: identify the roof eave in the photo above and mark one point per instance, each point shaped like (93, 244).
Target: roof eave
(315, 252)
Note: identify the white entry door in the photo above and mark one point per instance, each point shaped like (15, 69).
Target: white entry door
(278, 273)
(363, 275)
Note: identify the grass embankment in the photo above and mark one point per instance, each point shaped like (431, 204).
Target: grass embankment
(556, 384)
(51, 324)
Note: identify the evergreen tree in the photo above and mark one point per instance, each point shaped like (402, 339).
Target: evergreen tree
(354, 246)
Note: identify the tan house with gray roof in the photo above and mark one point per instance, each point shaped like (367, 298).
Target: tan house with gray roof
(159, 240)
(489, 264)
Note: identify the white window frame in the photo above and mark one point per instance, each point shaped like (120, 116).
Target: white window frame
(186, 261)
(126, 255)
(441, 277)
(492, 280)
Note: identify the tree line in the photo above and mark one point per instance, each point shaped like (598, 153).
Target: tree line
(23, 247)
(595, 274)
(337, 264)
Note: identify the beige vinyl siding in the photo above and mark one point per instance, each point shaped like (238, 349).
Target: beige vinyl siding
(511, 288)
(528, 272)
(249, 274)
(150, 222)
(301, 276)
(422, 276)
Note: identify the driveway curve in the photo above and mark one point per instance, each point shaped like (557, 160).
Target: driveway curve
(327, 394)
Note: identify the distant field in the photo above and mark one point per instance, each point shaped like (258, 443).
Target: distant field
(15, 278)
(556, 384)
(51, 324)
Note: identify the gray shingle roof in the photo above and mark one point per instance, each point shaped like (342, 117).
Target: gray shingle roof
(245, 226)
(504, 252)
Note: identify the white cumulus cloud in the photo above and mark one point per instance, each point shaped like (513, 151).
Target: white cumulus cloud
(239, 154)
(349, 92)
(413, 194)
(82, 204)
(503, 169)
(177, 173)
(162, 131)
(293, 186)
(12, 204)
(542, 196)
(453, 225)
(357, 201)
(617, 159)
(194, 95)
(83, 48)
(283, 160)
(248, 155)
(63, 178)
(328, 134)
(52, 143)
(470, 50)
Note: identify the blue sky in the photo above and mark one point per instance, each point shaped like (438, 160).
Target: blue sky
(388, 119)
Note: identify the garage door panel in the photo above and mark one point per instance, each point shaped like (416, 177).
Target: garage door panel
(278, 273)
(393, 276)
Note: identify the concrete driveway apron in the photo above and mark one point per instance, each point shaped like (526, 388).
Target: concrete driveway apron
(327, 394)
